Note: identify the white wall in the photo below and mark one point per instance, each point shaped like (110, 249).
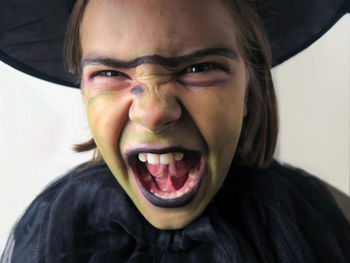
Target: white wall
(314, 92)
(41, 121)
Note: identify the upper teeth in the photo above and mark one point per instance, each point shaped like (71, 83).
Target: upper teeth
(166, 158)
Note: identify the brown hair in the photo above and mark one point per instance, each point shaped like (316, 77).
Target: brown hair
(258, 137)
(72, 55)
(260, 126)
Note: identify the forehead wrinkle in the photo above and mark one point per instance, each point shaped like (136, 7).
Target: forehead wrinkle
(171, 62)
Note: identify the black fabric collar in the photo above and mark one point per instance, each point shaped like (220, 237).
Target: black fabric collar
(275, 215)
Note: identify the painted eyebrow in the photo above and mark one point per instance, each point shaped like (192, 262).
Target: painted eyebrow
(170, 62)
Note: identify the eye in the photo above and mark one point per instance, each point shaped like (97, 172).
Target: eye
(203, 68)
(108, 74)
(204, 74)
(199, 68)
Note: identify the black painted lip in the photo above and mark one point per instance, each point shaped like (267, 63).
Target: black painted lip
(167, 203)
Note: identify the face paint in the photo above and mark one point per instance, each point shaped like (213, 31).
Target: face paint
(137, 91)
(156, 59)
(171, 148)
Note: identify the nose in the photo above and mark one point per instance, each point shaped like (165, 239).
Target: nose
(155, 110)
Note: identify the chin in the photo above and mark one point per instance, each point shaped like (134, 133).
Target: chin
(172, 224)
(173, 218)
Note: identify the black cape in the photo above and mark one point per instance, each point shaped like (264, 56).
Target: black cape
(278, 214)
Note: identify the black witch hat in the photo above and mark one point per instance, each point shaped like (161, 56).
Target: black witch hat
(32, 31)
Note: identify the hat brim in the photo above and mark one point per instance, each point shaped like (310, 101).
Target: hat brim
(32, 31)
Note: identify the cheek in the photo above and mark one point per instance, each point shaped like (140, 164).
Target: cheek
(218, 116)
(222, 131)
(107, 113)
(218, 111)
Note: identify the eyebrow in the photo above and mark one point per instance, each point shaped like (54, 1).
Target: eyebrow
(170, 62)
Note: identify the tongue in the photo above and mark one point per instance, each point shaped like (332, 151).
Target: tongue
(173, 176)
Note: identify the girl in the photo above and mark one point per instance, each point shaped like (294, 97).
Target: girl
(182, 110)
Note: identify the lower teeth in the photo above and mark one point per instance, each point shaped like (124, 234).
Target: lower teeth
(171, 196)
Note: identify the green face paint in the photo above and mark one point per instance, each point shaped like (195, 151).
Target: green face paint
(171, 148)
(104, 93)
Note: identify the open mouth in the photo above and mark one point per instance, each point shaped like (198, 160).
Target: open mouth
(168, 178)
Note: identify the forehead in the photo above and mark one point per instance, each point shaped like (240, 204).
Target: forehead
(133, 28)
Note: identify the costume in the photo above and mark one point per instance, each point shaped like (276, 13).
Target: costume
(278, 214)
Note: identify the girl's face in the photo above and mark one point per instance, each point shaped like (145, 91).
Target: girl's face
(164, 88)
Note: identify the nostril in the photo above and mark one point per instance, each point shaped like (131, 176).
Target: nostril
(168, 123)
